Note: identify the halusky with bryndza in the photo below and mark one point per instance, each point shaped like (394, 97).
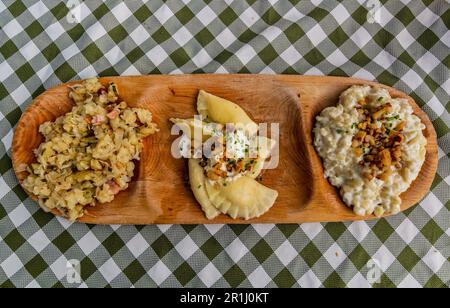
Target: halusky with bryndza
(87, 156)
(372, 147)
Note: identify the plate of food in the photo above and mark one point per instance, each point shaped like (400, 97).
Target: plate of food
(236, 149)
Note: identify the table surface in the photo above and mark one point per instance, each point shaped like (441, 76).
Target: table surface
(404, 44)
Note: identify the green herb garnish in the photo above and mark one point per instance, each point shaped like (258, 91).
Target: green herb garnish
(397, 117)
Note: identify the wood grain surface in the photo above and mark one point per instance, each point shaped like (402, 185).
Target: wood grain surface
(160, 193)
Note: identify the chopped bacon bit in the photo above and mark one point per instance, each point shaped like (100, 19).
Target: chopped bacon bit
(386, 108)
(240, 165)
(359, 152)
(115, 189)
(102, 91)
(113, 114)
(398, 139)
(393, 134)
(400, 126)
(362, 125)
(370, 158)
(212, 175)
(370, 139)
(360, 136)
(385, 158)
(98, 120)
(397, 153)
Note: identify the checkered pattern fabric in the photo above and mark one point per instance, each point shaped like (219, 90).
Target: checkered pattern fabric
(405, 44)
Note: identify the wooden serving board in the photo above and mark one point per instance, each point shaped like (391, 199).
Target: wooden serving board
(160, 192)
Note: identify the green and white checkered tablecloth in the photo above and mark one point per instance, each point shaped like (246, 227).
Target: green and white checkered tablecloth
(407, 46)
